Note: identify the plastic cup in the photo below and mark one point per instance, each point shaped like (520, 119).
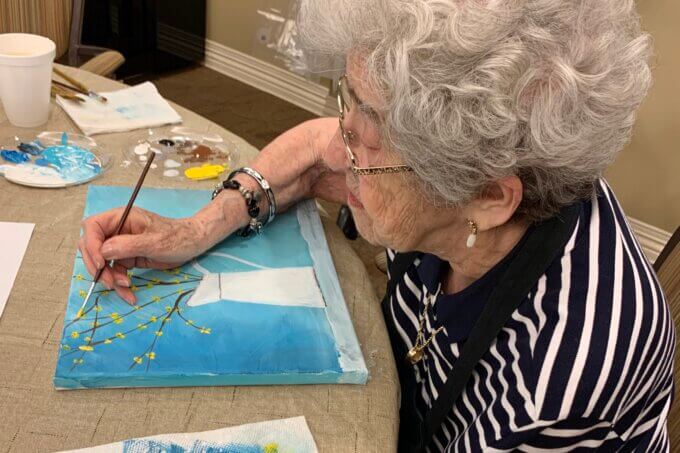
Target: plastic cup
(26, 77)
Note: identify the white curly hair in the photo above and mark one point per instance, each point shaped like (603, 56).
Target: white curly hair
(476, 90)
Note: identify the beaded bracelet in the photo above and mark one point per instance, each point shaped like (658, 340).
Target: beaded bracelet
(251, 198)
(264, 185)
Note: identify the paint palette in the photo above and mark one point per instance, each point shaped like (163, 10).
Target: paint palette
(184, 152)
(52, 160)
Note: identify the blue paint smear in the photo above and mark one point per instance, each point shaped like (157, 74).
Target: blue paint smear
(33, 149)
(248, 343)
(72, 162)
(152, 446)
(15, 157)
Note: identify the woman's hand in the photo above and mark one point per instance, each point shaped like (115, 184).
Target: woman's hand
(147, 240)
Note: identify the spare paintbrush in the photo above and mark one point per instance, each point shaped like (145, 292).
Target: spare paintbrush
(85, 90)
(119, 228)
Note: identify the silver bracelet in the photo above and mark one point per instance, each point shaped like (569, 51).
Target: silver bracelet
(264, 185)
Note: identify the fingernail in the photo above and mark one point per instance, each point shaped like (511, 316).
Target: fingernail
(99, 264)
(122, 282)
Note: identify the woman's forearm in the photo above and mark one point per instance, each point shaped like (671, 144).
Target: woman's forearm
(295, 166)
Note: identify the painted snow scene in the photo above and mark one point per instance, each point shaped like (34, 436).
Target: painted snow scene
(261, 310)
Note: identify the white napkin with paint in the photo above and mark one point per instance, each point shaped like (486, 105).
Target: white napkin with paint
(137, 107)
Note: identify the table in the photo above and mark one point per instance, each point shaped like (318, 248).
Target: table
(36, 417)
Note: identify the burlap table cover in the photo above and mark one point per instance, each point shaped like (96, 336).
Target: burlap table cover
(36, 417)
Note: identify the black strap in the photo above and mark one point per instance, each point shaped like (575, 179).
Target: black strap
(532, 260)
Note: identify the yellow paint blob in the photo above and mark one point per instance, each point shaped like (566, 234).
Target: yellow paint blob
(271, 448)
(207, 171)
(137, 360)
(86, 348)
(75, 334)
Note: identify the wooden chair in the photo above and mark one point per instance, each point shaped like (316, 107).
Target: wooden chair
(59, 20)
(667, 267)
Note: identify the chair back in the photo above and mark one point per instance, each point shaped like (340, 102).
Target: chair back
(667, 267)
(49, 18)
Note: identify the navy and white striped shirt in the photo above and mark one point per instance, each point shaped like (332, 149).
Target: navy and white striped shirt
(584, 363)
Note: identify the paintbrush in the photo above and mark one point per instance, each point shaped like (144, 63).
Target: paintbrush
(57, 90)
(119, 228)
(82, 88)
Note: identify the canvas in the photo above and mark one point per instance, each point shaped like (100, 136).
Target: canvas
(261, 310)
(290, 435)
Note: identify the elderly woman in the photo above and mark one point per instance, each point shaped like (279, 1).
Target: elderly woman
(474, 132)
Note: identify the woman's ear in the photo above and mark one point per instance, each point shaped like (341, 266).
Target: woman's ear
(497, 204)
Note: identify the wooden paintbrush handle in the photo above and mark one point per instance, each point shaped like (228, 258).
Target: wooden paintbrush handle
(70, 79)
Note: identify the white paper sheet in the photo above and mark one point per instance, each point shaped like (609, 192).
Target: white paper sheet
(282, 436)
(137, 107)
(14, 239)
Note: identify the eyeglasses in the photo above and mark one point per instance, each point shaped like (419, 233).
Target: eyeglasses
(345, 102)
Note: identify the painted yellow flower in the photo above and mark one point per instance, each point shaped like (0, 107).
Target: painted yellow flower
(78, 361)
(271, 448)
(118, 321)
(87, 339)
(168, 309)
(94, 324)
(86, 348)
(149, 285)
(151, 355)
(155, 280)
(136, 308)
(155, 299)
(141, 326)
(166, 319)
(158, 333)
(137, 360)
(134, 288)
(176, 281)
(175, 271)
(79, 277)
(97, 308)
(120, 335)
(205, 330)
(108, 341)
(189, 322)
(82, 293)
(65, 347)
(153, 319)
(114, 315)
(179, 291)
(105, 293)
(186, 277)
(74, 334)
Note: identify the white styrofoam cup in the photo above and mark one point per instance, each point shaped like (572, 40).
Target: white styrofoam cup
(25, 77)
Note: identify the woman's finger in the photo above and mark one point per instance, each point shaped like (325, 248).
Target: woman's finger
(126, 294)
(106, 279)
(120, 277)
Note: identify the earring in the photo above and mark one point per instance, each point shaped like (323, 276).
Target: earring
(472, 237)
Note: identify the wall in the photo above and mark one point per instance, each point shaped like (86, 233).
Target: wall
(646, 176)
(238, 25)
